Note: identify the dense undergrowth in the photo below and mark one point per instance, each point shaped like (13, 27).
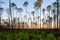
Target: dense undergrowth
(30, 35)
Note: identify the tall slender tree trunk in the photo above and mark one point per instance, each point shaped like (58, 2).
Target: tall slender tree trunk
(9, 20)
(13, 19)
(43, 20)
(18, 23)
(53, 23)
(40, 17)
(0, 19)
(36, 16)
(26, 17)
(20, 19)
(10, 13)
(13, 12)
(33, 18)
(57, 12)
(26, 13)
(49, 20)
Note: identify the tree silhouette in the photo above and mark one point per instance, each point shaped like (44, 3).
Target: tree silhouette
(43, 10)
(9, 15)
(25, 5)
(19, 10)
(1, 11)
(33, 15)
(49, 9)
(38, 5)
(14, 22)
(55, 14)
(54, 5)
(13, 5)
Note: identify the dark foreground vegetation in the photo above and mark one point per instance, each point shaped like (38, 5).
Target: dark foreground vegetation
(29, 34)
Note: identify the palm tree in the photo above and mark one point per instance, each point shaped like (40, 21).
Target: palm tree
(55, 8)
(54, 5)
(58, 13)
(38, 5)
(18, 23)
(29, 20)
(38, 17)
(8, 12)
(25, 5)
(14, 22)
(50, 20)
(33, 15)
(13, 5)
(19, 10)
(36, 9)
(43, 10)
(49, 9)
(54, 17)
(1, 11)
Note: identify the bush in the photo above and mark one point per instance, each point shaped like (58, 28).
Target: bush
(29, 35)
(50, 37)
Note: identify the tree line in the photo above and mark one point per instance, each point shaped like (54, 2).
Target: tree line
(49, 19)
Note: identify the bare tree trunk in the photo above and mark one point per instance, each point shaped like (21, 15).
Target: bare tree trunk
(49, 20)
(55, 21)
(43, 20)
(20, 20)
(18, 23)
(0, 19)
(40, 17)
(9, 21)
(10, 12)
(13, 25)
(26, 17)
(36, 16)
(57, 12)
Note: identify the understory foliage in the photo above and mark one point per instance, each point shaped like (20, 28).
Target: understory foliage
(29, 35)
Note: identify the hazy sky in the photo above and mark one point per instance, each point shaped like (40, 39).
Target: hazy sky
(19, 4)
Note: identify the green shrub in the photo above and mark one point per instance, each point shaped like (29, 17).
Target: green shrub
(50, 37)
(29, 35)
